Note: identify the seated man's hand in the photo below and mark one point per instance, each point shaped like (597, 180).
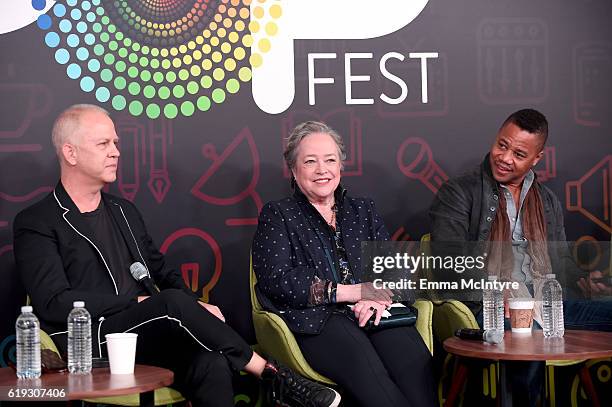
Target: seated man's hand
(364, 309)
(141, 298)
(213, 309)
(592, 288)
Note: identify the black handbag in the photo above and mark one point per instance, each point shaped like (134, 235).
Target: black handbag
(400, 316)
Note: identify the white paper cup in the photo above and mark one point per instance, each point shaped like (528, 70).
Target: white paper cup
(121, 352)
(521, 314)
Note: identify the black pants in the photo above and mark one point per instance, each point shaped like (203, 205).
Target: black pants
(176, 333)
(388, 368)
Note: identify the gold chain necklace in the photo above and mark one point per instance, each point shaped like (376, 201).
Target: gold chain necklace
(332, 221)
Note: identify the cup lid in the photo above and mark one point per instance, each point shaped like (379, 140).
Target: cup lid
(121, 335)
(521, 303)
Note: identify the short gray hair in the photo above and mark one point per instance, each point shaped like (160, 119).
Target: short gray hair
(69, 122)
(302, 131)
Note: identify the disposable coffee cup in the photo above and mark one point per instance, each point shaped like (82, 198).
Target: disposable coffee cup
(121, 352)
(521, 314)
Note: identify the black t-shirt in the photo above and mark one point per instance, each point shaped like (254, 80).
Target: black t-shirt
(115, 249)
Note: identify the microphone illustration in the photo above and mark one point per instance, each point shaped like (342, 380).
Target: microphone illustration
(140, 274)
(420, 164)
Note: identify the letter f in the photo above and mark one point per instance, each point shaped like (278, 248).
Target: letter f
(273, 82)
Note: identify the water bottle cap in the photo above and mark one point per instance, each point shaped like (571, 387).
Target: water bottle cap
(550, 275)
(492, 278)
(26, 308)
(78, 304)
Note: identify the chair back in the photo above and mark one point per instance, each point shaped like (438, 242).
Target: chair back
(252, 281)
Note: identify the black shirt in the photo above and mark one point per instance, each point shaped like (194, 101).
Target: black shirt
(114, 249)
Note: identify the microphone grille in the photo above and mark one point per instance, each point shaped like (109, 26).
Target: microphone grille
(138, 271)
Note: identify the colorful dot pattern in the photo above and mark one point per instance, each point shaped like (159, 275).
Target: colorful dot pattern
(158, 57)
(263, 28)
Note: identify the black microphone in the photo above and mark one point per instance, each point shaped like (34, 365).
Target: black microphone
(140, 274)
(490, 335)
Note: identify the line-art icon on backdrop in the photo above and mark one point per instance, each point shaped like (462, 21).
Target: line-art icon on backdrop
(131, 137)
(592, 64)
(193, 268)
(5, 249)
(415, 160)
(143, 145)
(409, 70)
(400, 236)
(29, 101)
(25, 197)
(591, 195)
(512, 60)
(7, 346)
(8, 351)
(547, 167)
(209, 151)
(344, 121)
(408, 244)
(160, 136)
(582, 252)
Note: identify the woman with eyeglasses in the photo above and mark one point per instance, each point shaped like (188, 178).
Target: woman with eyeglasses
(307, 259)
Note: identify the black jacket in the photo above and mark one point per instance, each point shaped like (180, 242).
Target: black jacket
(464, 210)
(59, 260)
(291, 245)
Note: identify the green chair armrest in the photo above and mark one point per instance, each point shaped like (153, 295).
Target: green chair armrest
(424, 322)
(448, 316)
(47, 343)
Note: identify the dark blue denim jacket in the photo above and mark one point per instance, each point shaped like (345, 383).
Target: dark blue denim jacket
(293, 244)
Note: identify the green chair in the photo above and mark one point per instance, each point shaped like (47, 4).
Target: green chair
(277, 341)
(163, 396)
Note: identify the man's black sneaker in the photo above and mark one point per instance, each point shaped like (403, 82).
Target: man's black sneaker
(287, 388)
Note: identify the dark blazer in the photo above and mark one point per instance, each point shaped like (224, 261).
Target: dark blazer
(464, 210)
(291, 247)
(59, 260)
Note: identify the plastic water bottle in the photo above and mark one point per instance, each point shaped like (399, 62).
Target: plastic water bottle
(79, 339)
(493, 307)
(28, 344)
(552, 308)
